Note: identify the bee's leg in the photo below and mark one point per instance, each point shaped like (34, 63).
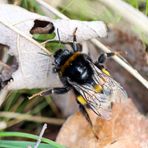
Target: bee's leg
(57, 90)
(101, 60)
(75, 47)
(103, 57)
(84, 112)
(86, 115)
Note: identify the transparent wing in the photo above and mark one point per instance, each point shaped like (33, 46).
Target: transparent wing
(98, 102)
(110, 87)
(101, 103)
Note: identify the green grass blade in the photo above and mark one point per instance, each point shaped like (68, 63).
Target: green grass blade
(134, 3)
(21, 144)
(30, 136)
(31, 5)
(146, 11)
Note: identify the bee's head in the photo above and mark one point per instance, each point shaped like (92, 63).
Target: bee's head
(61, 56)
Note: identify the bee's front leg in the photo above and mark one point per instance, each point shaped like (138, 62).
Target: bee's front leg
(103, 57)
(101, 60)
(57, 90)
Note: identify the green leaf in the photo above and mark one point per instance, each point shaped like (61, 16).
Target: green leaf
(44, 37)
(53, 46)
(134, 3)
(146, 11)
(11, 99)
(32, 6)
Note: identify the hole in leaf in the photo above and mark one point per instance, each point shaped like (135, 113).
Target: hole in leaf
(42, 27)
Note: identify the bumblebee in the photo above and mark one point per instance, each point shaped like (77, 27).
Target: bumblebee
(94, 87)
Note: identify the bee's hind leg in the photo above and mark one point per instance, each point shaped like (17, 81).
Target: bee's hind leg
(84, 112)
(86, 115)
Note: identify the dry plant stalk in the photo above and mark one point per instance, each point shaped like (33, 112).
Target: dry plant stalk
(29, 117)
(41, 135)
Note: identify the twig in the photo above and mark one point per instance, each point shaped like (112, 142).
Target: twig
(41, 135)
(129, 16)
(122, 63)
(32, 118)
(3, 94)
(12, 123)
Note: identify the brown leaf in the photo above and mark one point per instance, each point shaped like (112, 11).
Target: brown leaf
(127, 128)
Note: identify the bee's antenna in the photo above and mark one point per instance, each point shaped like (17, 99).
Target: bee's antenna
(60, 43)
(59, 36)
(75, 40)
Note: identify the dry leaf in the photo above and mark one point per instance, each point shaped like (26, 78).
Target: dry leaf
(35, 70)
(24, 21)
(127, 129)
